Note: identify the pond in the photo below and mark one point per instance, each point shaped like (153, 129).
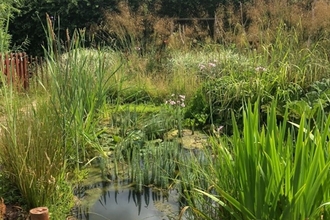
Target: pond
(127, 190)
(119, 200)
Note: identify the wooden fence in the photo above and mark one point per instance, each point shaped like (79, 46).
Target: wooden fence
(20, 69)
(15, 68)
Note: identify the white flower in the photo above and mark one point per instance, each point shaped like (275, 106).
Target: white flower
(212, 65)
(182, 97)
(219, 129)
(172, 102)
(260, 69)
(201, 66)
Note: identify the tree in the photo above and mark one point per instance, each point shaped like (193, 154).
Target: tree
(66, 14)
(6, 10)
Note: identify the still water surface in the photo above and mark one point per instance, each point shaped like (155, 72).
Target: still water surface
(127, 204)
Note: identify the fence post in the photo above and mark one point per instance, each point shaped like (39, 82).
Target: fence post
(24, 63)
(15, 66)
(8, 69)
(40, 213)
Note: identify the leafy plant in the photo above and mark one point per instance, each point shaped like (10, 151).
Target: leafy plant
(279, 172)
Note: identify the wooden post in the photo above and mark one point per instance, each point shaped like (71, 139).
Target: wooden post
(24, 65)
(40, 213)
(7, 68)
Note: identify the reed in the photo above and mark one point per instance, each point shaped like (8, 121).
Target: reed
(32, 157)
(44, 139)
(79, 88)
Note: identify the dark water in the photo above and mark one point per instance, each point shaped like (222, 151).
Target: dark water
(127, 204)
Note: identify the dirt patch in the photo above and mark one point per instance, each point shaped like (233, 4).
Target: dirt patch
(12, 212)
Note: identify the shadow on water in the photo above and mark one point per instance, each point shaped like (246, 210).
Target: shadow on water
(151, 164)
(120, 201)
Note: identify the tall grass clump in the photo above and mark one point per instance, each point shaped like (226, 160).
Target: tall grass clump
(277, 170)
(41, 142)
(32, 155)
(79, 87)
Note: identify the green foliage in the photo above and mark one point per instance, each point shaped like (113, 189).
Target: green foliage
(6, 10)
(198, 109)
(319, 91)
(314, 99)
(252, 175)
(278, 171)
(4, 38)
(79, 88)
(70, 14)
(32, 157)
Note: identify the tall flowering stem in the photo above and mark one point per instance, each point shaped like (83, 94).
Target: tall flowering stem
(176, 103)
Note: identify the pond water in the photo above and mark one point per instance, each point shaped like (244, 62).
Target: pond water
(119, 201)
(129, 205)
(115, 198)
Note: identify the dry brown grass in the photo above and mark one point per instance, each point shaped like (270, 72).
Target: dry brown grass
(123, 23)
(250, 23)
(139, 26)
(257, 21)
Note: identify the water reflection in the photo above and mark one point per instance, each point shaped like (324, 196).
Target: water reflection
(120, 203)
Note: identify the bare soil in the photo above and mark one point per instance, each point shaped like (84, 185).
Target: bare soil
(12, 212)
